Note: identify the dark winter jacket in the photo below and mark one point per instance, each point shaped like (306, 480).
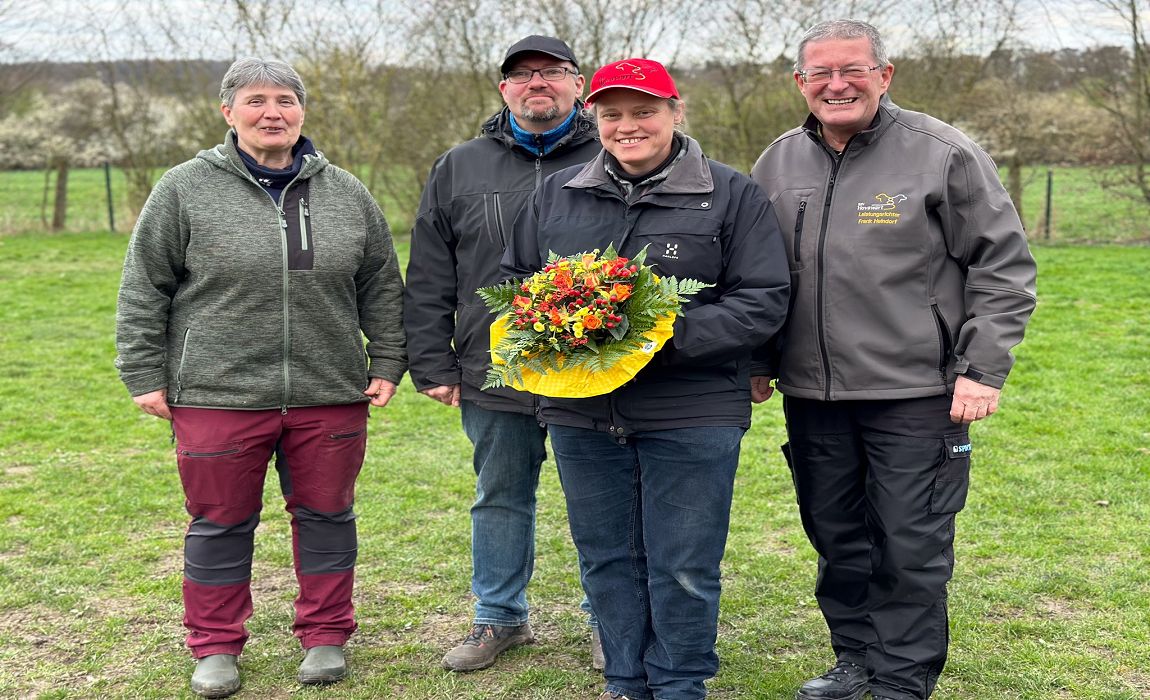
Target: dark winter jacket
(472, 196)
(908, 260)
(704, 221)
(232, 300)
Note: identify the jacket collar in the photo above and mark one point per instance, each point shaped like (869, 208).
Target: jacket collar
(227, 157)
(886, 115)
(691, 175)
(498, 128)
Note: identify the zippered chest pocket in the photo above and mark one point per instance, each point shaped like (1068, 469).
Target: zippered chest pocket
(682, 245)
(796, 217)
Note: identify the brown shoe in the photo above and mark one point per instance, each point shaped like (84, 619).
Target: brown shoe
(597, 661)
(484, 643)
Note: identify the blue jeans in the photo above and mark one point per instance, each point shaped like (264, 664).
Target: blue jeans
(650, 518)
(509, 450)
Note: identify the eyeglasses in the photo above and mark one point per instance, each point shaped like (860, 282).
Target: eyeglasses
(816, 76)
(552, 74)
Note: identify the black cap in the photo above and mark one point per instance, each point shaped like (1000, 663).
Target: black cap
(538, 44)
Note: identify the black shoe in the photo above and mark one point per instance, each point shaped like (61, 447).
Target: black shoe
(846, 681)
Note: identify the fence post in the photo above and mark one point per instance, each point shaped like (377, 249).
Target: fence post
(1049, 197)
(108, 189)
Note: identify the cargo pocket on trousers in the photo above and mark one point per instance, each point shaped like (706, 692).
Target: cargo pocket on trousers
(786, 449)
(952, 480)
(210, 472)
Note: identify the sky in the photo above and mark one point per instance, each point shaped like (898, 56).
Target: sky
(83, 30)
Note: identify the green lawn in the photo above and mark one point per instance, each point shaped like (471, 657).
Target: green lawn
(1051, 598)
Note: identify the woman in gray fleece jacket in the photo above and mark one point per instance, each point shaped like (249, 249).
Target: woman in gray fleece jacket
(254, 273)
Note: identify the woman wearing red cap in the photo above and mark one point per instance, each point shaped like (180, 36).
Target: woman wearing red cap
(648, 470)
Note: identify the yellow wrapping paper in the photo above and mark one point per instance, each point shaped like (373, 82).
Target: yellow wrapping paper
(580, 382)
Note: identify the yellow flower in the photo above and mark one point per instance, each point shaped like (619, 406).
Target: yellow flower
(577, 329)
(539, 327)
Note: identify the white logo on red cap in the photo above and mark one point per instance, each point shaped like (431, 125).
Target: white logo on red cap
(635, 70)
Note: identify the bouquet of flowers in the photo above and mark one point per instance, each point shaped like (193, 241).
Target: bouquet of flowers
(583, 325)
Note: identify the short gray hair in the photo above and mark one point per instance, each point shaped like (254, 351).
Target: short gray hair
(843, 29)
(246, 72)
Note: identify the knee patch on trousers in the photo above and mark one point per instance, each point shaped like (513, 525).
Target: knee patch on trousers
(327, 541)
(218, 555)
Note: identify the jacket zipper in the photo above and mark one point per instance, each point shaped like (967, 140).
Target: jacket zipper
(499, 220)
(282, 216)
(943, 340)
(345, 436)
(303, 216)
(180, 369)
(799, 230)
(820, 287)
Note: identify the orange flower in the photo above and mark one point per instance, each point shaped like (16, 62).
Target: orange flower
(556, 318)
(591, 322)
(563, 279)
(591, 281)
(522, 301)
(621, 291)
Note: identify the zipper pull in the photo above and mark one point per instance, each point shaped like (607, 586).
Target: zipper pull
(303, 204)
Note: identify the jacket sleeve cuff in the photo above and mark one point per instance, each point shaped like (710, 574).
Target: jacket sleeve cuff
(140, 383)
(391, 370)
(963, 368)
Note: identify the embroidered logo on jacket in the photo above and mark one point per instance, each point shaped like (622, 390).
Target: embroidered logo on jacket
(672, 252)
(884, 212)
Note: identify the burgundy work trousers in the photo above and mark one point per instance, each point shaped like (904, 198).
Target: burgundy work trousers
(223, 457)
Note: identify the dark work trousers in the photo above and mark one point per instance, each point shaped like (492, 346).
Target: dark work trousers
(223, 458)
(878, 485)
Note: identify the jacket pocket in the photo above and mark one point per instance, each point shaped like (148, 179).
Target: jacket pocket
(800, 218)
(944, 341)
(952, 479)
(682, 245)
(181, 366)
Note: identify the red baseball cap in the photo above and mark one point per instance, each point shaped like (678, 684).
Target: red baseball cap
(639, 74)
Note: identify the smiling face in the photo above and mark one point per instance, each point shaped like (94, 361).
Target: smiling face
(541, 105)
(267, 120)
(843, 107)
(636, 128)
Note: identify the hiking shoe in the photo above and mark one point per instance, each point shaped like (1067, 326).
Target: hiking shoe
(484, 643)
(323, 664)
(846, 681)
(613, 696)
(216, 676)
(597, 661)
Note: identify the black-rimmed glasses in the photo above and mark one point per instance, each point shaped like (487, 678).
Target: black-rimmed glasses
(551, 74)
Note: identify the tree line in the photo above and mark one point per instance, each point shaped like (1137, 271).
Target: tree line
(394, 83)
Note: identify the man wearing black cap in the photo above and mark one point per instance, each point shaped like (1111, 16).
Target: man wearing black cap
(473, 194)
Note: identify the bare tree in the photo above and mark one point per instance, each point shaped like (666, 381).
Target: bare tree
(1126, 97)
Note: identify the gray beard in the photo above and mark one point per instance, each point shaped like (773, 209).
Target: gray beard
(545, 116)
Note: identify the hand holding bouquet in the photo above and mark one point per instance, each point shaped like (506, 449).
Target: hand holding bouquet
(583, 325)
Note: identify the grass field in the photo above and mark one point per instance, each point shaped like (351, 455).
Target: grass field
(1081, 210)
(1051, 598)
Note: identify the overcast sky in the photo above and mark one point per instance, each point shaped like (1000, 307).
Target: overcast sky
(80, 30)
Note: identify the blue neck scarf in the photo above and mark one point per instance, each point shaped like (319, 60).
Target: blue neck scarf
(540, 144)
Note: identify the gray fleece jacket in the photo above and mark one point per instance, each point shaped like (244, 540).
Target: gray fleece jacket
(232, 300)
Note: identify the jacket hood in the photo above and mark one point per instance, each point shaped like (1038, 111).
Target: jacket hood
(226, 156)
(498, 128)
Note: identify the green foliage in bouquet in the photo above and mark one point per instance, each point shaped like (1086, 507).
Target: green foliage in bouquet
(585, 310)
